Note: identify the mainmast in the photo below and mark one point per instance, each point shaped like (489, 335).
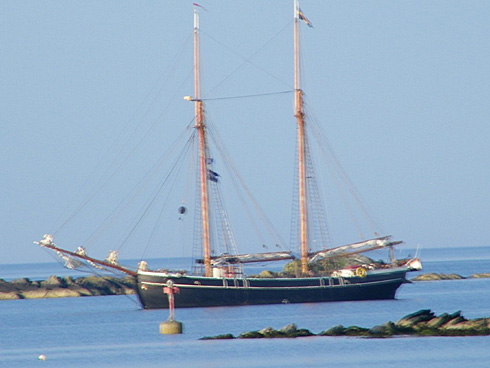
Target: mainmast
(299, 114)
(203, 160)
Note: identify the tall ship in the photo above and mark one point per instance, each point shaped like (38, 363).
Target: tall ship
(339, 273)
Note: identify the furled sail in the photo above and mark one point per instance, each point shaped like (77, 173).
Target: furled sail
(250, 258)
(80, 258)
(354, 248)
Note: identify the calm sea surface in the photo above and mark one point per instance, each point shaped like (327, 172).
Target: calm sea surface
(113, 331)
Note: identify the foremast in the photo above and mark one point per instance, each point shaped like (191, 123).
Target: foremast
(203, 159)
(299, 114)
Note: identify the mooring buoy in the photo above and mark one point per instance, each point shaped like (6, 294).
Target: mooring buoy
(171, 326)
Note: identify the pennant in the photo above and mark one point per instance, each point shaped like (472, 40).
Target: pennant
(200, 6)
(304, 19)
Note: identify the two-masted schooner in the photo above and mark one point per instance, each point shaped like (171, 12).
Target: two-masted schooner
(223, 282)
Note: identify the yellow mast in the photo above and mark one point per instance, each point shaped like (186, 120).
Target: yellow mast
(201, 129)
(299, 114)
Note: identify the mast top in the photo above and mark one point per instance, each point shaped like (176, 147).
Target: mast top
(296, 9)
(196, 20)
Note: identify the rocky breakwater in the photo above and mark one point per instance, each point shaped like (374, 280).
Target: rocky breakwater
(421, 323)
(448, 276)
(61, 287)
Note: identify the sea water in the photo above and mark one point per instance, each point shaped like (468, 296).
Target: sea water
(113, 331)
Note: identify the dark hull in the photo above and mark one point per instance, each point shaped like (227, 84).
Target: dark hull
(196, 291)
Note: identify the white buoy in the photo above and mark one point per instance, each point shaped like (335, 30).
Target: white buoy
(42, 357)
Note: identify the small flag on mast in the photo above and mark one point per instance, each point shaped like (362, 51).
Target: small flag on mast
(304, 19)
(213, 176)
(200, 6)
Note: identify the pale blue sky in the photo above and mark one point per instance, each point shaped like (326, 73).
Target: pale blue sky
(402, 89)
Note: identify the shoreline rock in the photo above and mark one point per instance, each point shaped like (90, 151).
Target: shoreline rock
(421, 323)
(448, 276)
(66, 287)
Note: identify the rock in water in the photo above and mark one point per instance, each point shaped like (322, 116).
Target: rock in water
(251, 335)
(218, 337)
(437, 276)
(338, 330)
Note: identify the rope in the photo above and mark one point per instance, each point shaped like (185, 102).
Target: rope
(247, 96)
(232, 169)
(110, 173)
(248, 60)
(328, 152)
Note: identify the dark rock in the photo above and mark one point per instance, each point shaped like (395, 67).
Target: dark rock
(293, 331)
(21, 285)
(302, 332)
(55, 287)
(467, 328)
(69, 281)
(391, 327)
(437, 276)
(421, 312)
(101, 285)
(420, 323)
(269, 332)
(437, 322)
(53, 293)
(7, 287)
(454, 321)
(251, 335)
(83, 291)
(355, 331)
(338, 330)
(38, 293)
(9, 295)
(23, 282)
(289, 329)
(53, 282)
(380, 331)
(218, 337)
(412, 319)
